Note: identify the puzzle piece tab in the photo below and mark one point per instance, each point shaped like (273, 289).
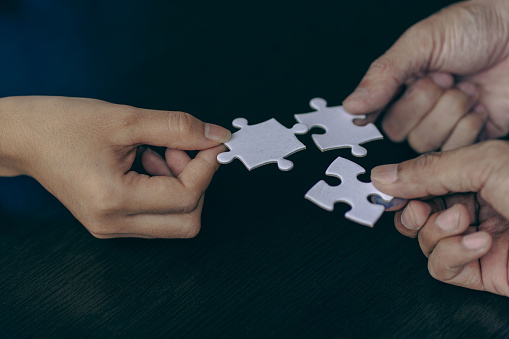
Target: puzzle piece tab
(340, 131)
(351, 190)
(263, 143)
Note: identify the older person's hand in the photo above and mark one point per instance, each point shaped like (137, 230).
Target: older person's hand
(454, 70)
(459, 211)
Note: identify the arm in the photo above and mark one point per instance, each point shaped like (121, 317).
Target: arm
(82, 151)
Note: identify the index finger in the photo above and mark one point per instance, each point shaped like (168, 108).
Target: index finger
(163, 195)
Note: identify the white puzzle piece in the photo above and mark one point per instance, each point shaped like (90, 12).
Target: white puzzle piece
(340, 131)
(263, 143)
(351, 191)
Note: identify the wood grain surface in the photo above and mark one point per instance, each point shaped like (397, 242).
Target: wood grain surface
(267, 263)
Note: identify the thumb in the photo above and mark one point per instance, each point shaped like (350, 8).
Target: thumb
(406, 58)
(478, 168)
(177, 130)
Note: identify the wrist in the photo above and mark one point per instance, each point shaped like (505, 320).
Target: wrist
(10, 139)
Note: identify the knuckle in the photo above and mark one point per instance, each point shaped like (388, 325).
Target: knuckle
(105, 203)
(190, 227)
(393, 129)
(492, 175)
(428, 160)
(381, 64)
(421, 144)
(181, 124)
(129, 115)
(495, 149)
(385, 66)
(494, 225)
(123, 124)
(457, 102)
(189, 202)
(105, 227)
(472, 124)
(435, 272)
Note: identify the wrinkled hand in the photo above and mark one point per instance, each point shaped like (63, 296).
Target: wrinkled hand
(82, 151)
(454, 70)
(459, 212)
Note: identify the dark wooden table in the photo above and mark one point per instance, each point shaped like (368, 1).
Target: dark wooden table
(267, 263)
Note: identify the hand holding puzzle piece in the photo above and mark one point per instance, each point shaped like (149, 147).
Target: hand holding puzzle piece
(269, 141)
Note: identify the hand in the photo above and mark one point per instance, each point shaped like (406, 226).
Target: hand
(82, 151)
(462, 222)
(454, 70)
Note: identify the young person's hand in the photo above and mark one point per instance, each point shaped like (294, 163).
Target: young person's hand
(82, 151)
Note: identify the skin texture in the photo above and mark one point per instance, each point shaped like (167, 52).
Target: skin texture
(459, 216)
(82, 151)
(453, 69)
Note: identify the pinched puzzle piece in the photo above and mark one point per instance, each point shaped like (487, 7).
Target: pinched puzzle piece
(340, 131)
(351, 190)
(263, 143)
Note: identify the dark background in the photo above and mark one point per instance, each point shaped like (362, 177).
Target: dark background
(267, 263)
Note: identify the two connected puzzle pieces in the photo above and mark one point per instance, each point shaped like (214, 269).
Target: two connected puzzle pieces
(269, 141)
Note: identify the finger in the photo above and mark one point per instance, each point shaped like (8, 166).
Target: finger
(199, 172)
(170, 226)
(438, 124)
(496, 260)
(466, 131)
(152, 226)
(455, 259)
(393, 205)
(177, 160)
(174, 130)
(410, 220)
(468, 200)
(476, 168)
(165, 195)
(453, 221)
(154, 164)
(408, 56)
(418, 100)
(492, 131)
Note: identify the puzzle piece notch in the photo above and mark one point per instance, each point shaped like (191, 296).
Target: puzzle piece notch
(340, 131)
(350, 191)
(263, 143)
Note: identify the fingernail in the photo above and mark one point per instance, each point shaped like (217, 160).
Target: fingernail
(217, 133)
(408, 219)
(442, 79)
(395, 202)
(359, 94)
(385, 173)
(475, 241)
(448, 220)
(468, 88)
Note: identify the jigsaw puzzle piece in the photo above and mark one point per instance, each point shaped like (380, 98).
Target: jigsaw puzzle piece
(350, 191)
(340, 131)
(263, 143)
